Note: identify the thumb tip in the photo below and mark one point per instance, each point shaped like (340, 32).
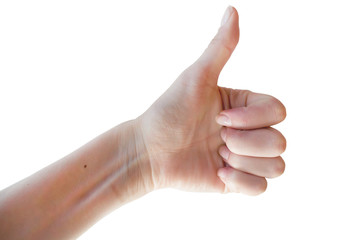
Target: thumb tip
(230, 24)
(230, 10)
(221, 47)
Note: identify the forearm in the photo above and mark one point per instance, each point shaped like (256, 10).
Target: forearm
(64, 199)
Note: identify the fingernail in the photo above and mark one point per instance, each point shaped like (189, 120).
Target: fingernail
(222, 175)
(223, 134)
(223, 120)
(227, 15)
(224, 152)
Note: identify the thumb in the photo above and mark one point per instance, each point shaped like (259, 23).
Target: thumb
(221, 47)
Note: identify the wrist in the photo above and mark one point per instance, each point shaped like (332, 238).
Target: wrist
(135, 175)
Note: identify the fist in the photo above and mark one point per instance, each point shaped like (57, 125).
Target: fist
(202, 137)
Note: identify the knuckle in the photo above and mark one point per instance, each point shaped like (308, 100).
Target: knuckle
(228, 46)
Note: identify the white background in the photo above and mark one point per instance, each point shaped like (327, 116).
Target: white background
(70, 70)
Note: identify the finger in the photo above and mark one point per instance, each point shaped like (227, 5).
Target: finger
(250, 110)
(241, 182)
(263, 142)
(263, 167)
(221, 47)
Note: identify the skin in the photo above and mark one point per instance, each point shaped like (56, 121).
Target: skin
(196, 137)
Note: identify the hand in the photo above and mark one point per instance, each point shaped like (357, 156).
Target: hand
(185, 129)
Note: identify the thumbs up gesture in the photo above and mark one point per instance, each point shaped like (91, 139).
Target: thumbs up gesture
(202, 137)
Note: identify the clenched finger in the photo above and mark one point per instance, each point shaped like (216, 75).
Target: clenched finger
(263, 167)
(263, 142)
(241, 182)
(249, 110)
